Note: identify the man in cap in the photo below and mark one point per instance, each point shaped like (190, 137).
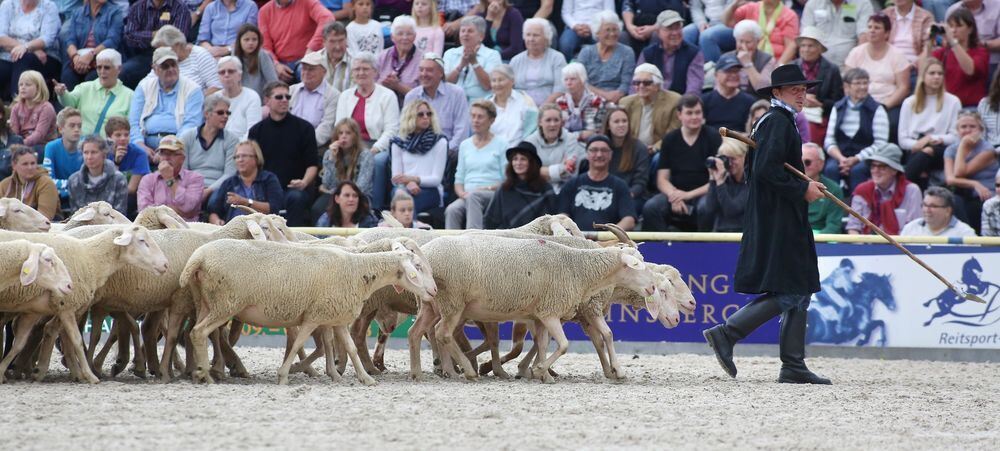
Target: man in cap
(727, 105)
(682, 64)
(313, 99)
(597, 196)
(777, 254)
(172, 185)
(166, 104)
(889, 200)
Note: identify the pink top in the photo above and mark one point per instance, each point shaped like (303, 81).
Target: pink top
(33, 124)
(429, 39)
(153, 190)
(786, 25)
(882, 72)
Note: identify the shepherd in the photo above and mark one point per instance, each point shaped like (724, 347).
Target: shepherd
(777, 254)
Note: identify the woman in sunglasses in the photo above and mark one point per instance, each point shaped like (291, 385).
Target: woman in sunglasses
(211, 147)
(419, 155)
(650, 126)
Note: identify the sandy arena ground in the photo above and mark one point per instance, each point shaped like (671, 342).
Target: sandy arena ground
(675, 401)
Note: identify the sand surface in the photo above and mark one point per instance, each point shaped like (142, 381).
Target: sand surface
(674, 401)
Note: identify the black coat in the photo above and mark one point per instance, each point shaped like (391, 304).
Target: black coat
(831, 88)
(777, 254)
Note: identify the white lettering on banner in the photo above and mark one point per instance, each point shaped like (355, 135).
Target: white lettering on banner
(887, 300)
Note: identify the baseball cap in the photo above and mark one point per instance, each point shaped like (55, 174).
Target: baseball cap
(163, 54)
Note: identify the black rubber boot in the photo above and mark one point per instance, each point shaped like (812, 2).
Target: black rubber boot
(792, 347)
(723, 337)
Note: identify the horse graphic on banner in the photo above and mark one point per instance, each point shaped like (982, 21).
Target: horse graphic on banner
(842, 311)
(968, 313)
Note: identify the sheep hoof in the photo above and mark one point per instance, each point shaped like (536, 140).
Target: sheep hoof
(472, 377)
(117, 368)
(217, 374)
(310, 371)
(282, 379)
(239, 372)
(92, 380)
(137, 372)
(368, 381)
(501, 374)
(416, 377)
(38, 376)
(553, 373)
(201, 376)
(379, 365)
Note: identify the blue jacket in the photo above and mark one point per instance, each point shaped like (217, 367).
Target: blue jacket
(266, 188)
(108, 26)
(865, 135)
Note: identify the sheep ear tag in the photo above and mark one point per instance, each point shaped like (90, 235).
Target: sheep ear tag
(86, 215)
(29, 270)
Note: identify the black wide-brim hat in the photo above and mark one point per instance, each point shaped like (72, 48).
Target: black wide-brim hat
(526, 148)
(787, 75)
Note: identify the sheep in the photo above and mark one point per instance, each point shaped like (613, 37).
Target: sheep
(312, 286)
(519, 280)
(18, 217)
(90, 262)
(99, 212)
(160, 217)
(26, 263)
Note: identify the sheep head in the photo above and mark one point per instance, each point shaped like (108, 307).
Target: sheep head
(99, 212)
(18, 217)
(414, 274)
(680, 292)
(634, 274)
(140, 249)
(44, 268)
(563, 225)
(160, 217)
(668, 315)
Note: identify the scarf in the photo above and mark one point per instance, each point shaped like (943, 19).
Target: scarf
(883, 213)
(767, 25)
(811, 70)
(418, 143)
(397, 64)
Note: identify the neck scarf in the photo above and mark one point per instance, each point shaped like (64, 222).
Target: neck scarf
(767, 25)
(397, 64)
(418, 143)
(883, 212)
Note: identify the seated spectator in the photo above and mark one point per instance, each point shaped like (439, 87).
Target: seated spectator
(629, 157)
(966, 60)
(31, 42)
(609, 63)
(682, 64)
(987, 16)
(171, 184)
(756, 63)
(452, 11)
(888, 69)
(642, 19)
(419, 156)
(348, 208)
(469, 64)
(970, 165)
(101, 99)
(517, 115)
(524, 195)
(166, 104)
(257, 62)
(221, 22)
(451, 110)
(62, 155)
(927, 123)
(430, 35)
(372, 106)
(888, 200)
(341, 9)
(210, 148)
(288, 144)
(32, 117)
(314, 100)
(402, 209)
(29, 183)
(681, 176)
(195, 63)
(251, 186)
(559, 150)
(780, 33)
(576, 18)
(842, 24)
(98, 179)
(583, 108)
(504, 25)
(815, 66)
(707, 30)
(336, 58)
(144, 18)
(363, 33)
(727, 105)
(991, 211)
(244, 103)
(345, 159)
(651, 109)
(824, 215)
(911, 25)
(722, 208)
(597, 196)
(989, 110)
(290, 29)
(480, 170)
(91, 30)
(398, 66)
(129, 158)
(938, 217)
(538, 69)
(7, 138)
(858, 126)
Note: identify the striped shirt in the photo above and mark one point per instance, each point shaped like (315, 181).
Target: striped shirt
(991, 118)
(199, 67)
(851, 124)
(144, 18)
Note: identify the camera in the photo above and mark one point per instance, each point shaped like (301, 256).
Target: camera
(710, 162)
(937, 31)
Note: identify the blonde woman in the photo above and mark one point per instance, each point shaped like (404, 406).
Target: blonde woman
(345, 159)
(721, 210)
(419, 155)
(927, 119)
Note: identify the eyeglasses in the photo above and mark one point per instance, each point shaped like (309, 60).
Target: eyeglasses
(227, 71)
(243, 157)
(223, 112)
(926, 205)
(282, 97)
(104, 67)
(425, 114)
(642, 82)
(599, 150)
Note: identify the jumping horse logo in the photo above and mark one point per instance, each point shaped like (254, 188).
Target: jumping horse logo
(842, 311)
(967, 313)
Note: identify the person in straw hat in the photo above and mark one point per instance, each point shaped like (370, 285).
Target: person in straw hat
(816, 66)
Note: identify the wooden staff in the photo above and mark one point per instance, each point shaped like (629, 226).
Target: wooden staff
(963, 294)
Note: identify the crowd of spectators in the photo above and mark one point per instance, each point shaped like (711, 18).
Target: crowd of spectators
(472, 114)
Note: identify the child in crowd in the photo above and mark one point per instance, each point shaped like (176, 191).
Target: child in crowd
(430, 36)
(129, 158)
(363, 33)
(62, 156)
(32, 117)
(401, 208)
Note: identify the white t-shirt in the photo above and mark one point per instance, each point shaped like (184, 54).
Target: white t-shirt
(365, 38)
(246, 111)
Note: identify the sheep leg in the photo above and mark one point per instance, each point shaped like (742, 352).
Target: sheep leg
(340, 356)
(22, 330)
(174, 324)
(597, 339)
(97, 315)
(199, 344)
(385, 331)
(554, 328)
(331, 368)
(344, 336)
(24, 363)
(218, 369)
(609, 342)
(232, 359)
(421, 324)
(235, 331)
(51, 331)
(69, 358)
(102, 355)
(320, 351)
(359, 335)
(74, 349)
(445, 331)
(129, 333)
(302, 334)
(492, 336)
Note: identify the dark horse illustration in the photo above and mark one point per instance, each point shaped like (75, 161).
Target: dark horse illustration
(833, 322)
(948, 300)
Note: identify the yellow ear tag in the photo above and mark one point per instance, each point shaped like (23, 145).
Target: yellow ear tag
(412, 275)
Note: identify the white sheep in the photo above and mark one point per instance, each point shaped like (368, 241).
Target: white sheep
(90, 262)
(18, 217)
(160, 217)
(307, 287)
(94, 213)
(26, 263)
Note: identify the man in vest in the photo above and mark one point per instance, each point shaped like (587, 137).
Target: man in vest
(858, 127)
(166, 104)
(777, 255)
(681, 64)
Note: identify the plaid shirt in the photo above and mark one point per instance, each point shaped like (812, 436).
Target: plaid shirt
(462, 6)
(144, 19)
(991, 217)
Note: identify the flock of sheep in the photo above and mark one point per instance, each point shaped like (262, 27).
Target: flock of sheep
(193, 283)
